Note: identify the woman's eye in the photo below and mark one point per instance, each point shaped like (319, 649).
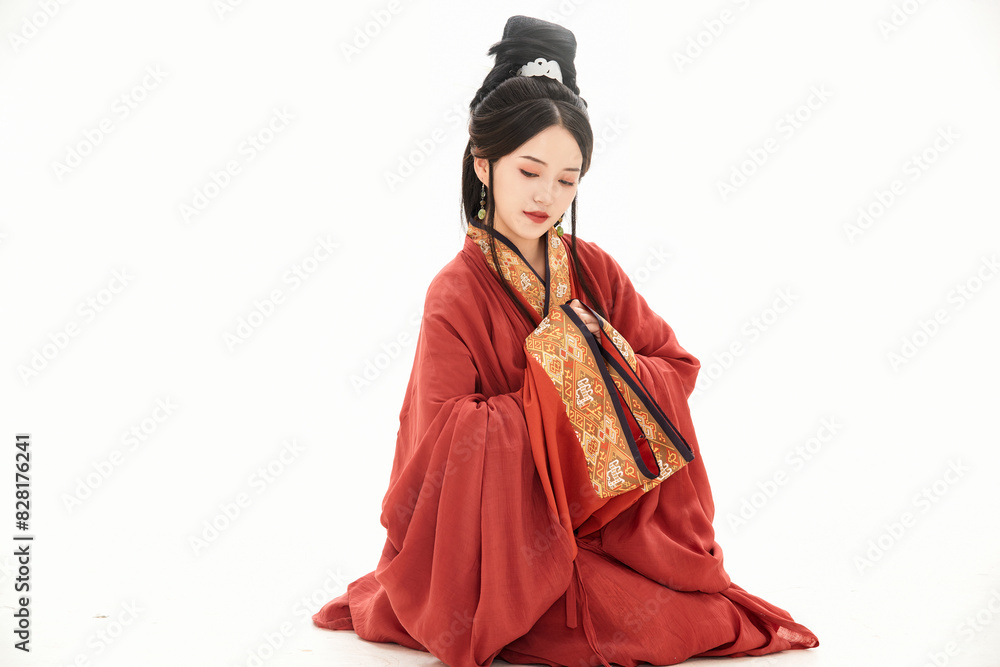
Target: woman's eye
(529, 174)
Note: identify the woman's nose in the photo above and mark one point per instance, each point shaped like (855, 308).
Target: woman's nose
(544, 195)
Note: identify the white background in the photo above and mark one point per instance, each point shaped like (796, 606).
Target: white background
(823, 538)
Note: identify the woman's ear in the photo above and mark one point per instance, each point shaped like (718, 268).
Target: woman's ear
(481, 165)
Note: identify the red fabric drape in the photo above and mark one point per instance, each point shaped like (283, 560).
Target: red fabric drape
(478, 565)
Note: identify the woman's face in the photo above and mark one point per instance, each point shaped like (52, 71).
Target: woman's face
(541, 175)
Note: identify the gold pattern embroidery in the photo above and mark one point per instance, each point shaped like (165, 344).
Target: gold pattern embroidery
(530, 286)
(559, 349)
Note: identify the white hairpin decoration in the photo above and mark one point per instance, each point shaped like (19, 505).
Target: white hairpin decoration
(542, 67)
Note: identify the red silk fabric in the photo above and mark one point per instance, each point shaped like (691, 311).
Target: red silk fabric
(478, 562)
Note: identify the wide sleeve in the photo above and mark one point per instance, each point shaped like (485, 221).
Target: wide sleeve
(668, 535)
(474, 556)
(653, 340)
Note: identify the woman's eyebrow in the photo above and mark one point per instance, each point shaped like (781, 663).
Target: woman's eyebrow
(534, 159)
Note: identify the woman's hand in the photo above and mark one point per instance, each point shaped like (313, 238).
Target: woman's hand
(585, 315)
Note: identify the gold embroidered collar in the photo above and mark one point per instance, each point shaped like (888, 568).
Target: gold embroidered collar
(541, 292)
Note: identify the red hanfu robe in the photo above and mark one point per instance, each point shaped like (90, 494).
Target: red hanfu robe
(481, 559)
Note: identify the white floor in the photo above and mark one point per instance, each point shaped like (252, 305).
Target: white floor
(250, 610)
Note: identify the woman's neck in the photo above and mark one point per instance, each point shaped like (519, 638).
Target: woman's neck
(534, 254)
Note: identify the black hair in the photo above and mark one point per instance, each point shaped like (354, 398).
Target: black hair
(509, 110)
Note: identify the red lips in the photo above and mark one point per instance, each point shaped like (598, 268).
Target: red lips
(537, 216)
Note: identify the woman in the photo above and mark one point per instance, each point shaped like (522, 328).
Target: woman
(498, 545)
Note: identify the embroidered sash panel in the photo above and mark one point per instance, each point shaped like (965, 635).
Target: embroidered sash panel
(625, 438)
(541, 292)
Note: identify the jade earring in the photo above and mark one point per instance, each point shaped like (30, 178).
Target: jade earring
(482, 202)
(559, 229)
